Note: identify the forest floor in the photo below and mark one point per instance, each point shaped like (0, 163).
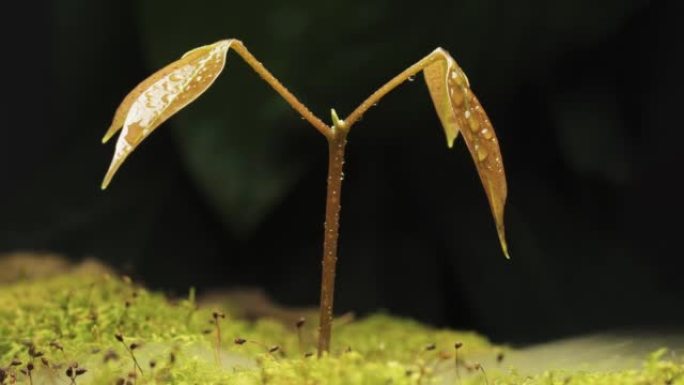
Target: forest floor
(62, 324)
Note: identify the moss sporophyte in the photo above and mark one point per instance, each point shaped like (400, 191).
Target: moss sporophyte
(175, 86)
(67, 329)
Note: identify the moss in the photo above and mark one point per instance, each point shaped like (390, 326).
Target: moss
(75, 318)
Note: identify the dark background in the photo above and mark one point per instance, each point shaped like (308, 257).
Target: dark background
(585, 96)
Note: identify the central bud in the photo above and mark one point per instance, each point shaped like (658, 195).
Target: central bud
(338, 124)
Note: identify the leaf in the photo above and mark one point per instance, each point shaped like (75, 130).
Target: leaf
(239, 147)
(435, 77)
(160, 96)
(460, 111)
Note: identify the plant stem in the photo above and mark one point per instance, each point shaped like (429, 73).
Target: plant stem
(218, 341)
(337, 140)
(336, 147)
(135, 361)
(268, 77)
(390, 85)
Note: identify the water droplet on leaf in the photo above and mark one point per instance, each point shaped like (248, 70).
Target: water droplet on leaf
(487, 134)
(474, 125)
(481, 153)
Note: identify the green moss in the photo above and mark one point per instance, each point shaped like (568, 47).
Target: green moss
(75, 317)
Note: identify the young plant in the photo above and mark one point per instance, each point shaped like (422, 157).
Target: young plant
(216, 320)
(130, 348)
(175, 86)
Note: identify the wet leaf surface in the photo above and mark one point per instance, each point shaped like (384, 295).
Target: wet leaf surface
(160, 96)
(460, 111)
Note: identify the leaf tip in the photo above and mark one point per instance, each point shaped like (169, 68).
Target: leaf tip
(450, 141)
(113, 168)
(504, 247)
(107, 179)
(502, 241)
(113, 129)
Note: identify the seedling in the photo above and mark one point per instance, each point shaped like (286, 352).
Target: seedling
(110, 355)
(56, 345)
(475, 366)
(178, 84)
(216, 319)
(28, 372)
(270, 349)
(33, 353)
(457, 360)
(130, 348)
(73, 371)
(299, 324)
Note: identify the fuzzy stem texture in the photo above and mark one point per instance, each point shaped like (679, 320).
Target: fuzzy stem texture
(336, 147)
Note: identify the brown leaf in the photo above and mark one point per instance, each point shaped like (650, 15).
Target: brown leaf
(459, 110)
(435, 77)
(160, 96)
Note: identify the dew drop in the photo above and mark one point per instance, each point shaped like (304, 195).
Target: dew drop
(487, 133)
(411, 78)
(481, 153)
(474, 126)
(456, 97)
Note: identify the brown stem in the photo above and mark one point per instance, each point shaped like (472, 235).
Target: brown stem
(390, 85)
(268, 77)
(337, 139)
(336, 146)
(136, 365)
(218, 341)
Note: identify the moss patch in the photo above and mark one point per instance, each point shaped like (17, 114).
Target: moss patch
(73, 321)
